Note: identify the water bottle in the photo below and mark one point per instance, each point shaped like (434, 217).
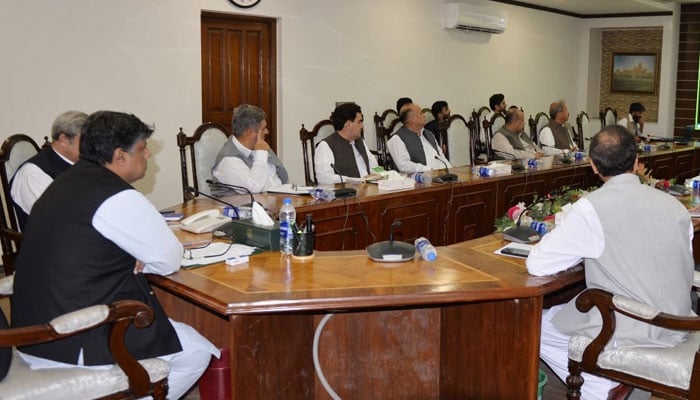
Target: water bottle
(320, 193)
(425, 249)
(288, 217)
(421, 177)
(486, 172)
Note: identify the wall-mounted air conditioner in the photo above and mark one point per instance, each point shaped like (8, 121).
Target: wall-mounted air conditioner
(472, 17)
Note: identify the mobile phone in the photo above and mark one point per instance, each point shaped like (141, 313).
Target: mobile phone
(512, 251)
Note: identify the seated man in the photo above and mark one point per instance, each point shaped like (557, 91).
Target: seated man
(90, 237)
(344, 152)
(510, 141)
(246, 158)
(37, 173)
(634, 122)
(610, 230)
(412, 148)
(555, 137)
(441, 114)
(497, 103)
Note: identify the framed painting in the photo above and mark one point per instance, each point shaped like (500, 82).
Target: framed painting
(634, 73)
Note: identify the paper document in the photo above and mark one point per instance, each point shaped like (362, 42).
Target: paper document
(213, 253)
(289, 188)
(519, 250)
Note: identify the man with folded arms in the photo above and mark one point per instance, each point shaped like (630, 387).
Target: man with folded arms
(510, 141)
(344, 152)
(37, 173)
(246, 158)
(555, 138)
(90, 237)
(609, 229)
(412, 148)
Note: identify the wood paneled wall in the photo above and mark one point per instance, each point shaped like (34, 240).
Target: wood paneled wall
(687, 79)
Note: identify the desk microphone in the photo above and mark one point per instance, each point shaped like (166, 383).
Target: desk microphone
(343, 192)
(198, 193)
(520, 233)
(390, 251)
(447, 177)
(214, 183)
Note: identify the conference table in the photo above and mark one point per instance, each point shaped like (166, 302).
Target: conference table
(465, 326)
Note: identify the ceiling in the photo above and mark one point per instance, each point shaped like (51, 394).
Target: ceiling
(592, 7)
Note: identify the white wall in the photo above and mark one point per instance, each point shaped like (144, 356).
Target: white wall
(143, 57)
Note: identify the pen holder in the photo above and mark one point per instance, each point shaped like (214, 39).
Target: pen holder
(303, 245)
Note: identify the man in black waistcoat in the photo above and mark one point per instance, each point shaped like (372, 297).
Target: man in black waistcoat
(37, 173)
(344, 152)
(90, 237)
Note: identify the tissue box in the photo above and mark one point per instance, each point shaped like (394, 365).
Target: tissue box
(246, 232)
(396, 184)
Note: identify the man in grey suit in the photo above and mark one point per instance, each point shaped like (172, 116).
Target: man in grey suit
(611, 230)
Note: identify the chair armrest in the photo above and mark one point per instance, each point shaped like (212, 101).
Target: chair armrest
(119, 314)
(608, 304)
(11, 234)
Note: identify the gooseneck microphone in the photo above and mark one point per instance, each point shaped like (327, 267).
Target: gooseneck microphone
(447, 177)
(520, 233)
(395, 224)
(390, 251)
(343, 192)
(214, 183)
(198, 193)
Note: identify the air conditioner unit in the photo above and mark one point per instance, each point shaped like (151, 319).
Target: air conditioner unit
(472, 17)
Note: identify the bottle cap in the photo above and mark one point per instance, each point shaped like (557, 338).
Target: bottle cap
(430, 256)
(287, 200)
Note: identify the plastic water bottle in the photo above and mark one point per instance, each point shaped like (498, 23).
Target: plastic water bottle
(288, 217)
(486, 172)
(320, 193)
(425, 249)
(421, 177)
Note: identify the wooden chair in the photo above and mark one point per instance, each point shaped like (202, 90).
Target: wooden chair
(16, 149)
(608, 116)
(204, 145)
(585, 130)
(672, 372)
(536, 124)
(491, 126)
(458, 141)
(309, 139)
(128, 379)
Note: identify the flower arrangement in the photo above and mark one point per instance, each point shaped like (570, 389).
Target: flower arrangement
(542, 209)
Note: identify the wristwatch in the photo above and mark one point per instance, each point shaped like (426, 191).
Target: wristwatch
(244, 3)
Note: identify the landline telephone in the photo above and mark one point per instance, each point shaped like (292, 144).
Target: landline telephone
(204, 221)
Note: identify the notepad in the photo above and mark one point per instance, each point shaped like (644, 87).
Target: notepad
(289, 188)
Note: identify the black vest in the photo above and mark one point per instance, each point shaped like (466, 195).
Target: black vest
(414, 145)
(562, 140)
(66, 264)
(52, 164)
(344, 155)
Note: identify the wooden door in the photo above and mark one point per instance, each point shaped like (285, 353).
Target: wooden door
(239, 59)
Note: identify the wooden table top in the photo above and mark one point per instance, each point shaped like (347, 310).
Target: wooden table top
(270, 282)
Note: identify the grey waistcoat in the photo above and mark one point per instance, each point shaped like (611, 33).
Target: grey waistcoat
(414, 145)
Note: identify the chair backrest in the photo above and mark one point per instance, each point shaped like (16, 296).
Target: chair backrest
(381, 123)
(608, 116)
(458, 140)
(585, 130)
(204, 145)
(309, 139)
(491, 126)
(536, 124)
(16, 149)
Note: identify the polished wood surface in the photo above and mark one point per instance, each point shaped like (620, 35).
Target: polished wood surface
(458, 327)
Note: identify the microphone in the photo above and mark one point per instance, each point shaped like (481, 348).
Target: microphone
(198, 193)
(520, 233)
(343, 192)
(390, 251)
(447, 177)
(214, 183)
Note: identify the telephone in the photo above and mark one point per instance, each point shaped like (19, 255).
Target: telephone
(204, 221)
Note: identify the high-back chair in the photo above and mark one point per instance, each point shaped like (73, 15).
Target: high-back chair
(204, 145)
(383, 121)
(309, 139)
(128, 379)
(16, 149)
(672, 372)
(536, 124)
(458, 140)
(608, 116)
(490, 127)
(585, 129)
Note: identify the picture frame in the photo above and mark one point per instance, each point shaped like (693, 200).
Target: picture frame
(636, 73)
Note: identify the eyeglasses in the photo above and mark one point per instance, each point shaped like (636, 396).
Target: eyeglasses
(188, 252)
